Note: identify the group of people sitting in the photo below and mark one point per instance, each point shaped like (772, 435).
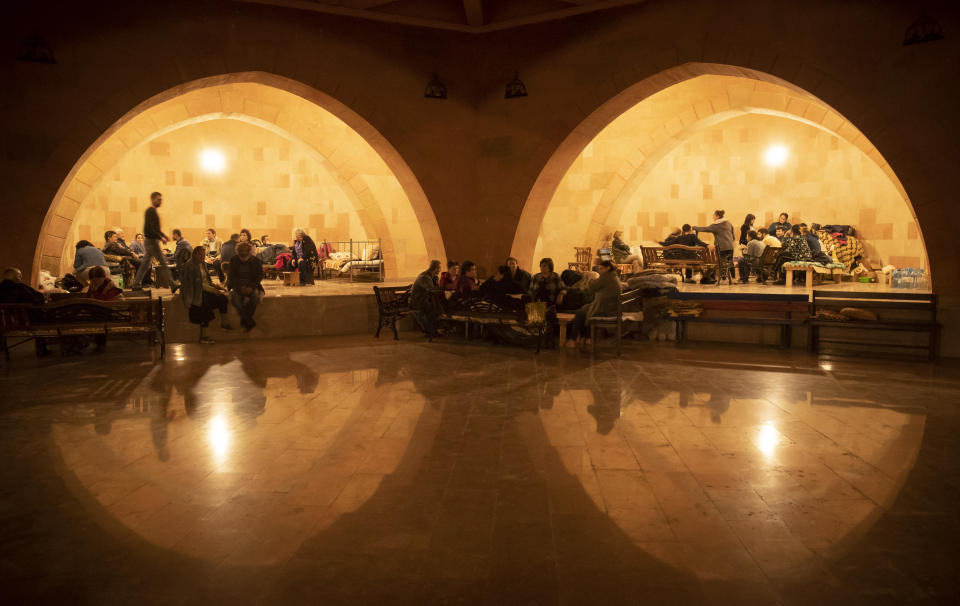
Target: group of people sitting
(585, 294)
(796, 243)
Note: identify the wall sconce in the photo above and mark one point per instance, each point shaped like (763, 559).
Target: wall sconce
(515, 88)
(36, 50)
(435, 89)
(924, 29)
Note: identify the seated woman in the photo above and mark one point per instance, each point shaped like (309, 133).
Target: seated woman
(199, 294)
(575, 293)
(546, 287)
(794, 248)
(467, 281)
(303, 255)
(518, 276)
(606, 291)
(622, 253)
(448, 279)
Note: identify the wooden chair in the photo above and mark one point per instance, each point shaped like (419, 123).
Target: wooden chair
(652, 257)
(583, 258)
(767, 261)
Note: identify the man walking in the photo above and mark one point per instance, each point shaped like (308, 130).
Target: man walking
(153, 237)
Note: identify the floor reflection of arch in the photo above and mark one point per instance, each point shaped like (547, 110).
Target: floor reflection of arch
(383, 467)
(389, 199)
(733, 91)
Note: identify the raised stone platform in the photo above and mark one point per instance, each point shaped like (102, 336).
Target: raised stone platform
(335, 307)
(330, 307)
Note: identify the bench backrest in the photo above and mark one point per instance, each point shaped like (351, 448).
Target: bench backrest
(139, 312)
(771, 303)
(769, 256)
(392, 295)
(651, 255)
(899, 301)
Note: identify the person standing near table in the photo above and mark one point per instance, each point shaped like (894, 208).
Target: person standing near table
(153, 237)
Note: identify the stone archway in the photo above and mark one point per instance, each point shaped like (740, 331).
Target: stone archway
(391, 203)
(683, 103)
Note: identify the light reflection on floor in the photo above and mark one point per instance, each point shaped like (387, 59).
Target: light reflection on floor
(475, 469)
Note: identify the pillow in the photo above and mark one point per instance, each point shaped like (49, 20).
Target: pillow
(857, 313)
(370, 252)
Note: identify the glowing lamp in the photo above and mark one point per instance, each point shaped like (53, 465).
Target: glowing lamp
(213, 160)
(775, 155)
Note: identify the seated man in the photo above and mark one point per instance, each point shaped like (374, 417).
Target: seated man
(423, 301)
(12, 290)
(213, 244)
(182, 252)
(87, 257)
(243, 281)
(767, 239)
(752, 255)
(113, 246)
(229, 249)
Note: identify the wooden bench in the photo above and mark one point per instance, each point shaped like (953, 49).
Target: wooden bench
(393, 303)
(785, 311)
(627, 298)
(82, 317)
(695, 258)
(485, 312)
(898, 312)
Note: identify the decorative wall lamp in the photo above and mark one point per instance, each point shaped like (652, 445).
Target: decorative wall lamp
(924, 29)
(435, 89)
(515, 88)
(36, 50)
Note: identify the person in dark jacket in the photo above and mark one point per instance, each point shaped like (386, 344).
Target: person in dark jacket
(746, 227)
(153, 237)
(243, 280)
(781, 222)
(518, 276)
(303, 255)
(816, 249)
(12, 290)
(114, 245)
(500, 286)
(606, 290)
(423, 299)
(182, 252)
(622, 253)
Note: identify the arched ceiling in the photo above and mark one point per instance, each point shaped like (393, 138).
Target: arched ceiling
(390, 202)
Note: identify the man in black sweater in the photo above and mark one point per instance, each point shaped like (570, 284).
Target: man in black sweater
(152, 238)
(243, 280)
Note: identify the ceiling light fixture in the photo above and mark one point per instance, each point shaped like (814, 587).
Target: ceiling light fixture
(213, 160)
(775, 155)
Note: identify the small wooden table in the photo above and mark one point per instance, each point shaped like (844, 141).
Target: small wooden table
(291, 278)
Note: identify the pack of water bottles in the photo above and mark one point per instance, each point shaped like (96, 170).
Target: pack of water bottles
(910, 277)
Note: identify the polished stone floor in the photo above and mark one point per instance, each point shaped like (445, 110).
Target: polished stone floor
(352, 471)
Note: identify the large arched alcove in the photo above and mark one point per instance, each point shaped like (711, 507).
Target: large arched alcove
(675, 146)
(303, 127)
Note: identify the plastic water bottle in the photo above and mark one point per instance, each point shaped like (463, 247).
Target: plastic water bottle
(895, 279)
